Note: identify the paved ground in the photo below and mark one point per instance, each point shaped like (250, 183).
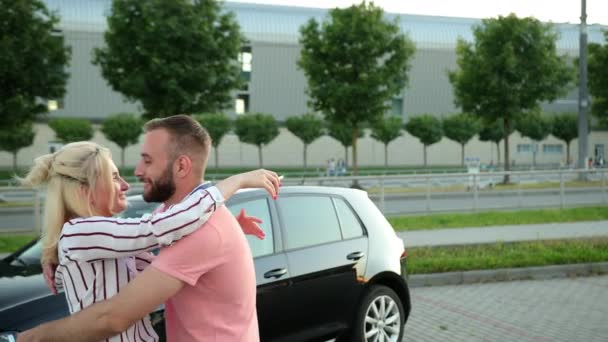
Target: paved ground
(463, 236)
(566, 310)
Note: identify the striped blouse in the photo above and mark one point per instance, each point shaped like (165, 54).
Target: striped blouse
(99, 255)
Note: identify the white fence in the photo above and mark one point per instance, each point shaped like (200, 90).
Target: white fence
(416, 194)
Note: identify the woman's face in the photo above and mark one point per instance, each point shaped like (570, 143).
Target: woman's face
(102, 195)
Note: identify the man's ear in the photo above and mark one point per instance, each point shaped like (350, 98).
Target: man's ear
(183, 166)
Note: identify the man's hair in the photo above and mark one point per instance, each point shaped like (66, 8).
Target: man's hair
(187, 137)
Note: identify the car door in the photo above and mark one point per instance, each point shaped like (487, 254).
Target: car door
(271, 269)
(326, 257)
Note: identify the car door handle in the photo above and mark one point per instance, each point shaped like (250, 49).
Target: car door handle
(276, 273)
(355, 256)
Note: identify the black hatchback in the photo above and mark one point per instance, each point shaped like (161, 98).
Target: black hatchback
(331, 266)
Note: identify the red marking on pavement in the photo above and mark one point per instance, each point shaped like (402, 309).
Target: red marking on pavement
(503, 326)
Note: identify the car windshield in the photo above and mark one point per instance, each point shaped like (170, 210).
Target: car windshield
(31, 256)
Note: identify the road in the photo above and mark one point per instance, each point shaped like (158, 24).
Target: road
(570, 309)
(414, 204)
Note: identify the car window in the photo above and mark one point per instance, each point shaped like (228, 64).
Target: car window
(351, 227)
(308, 220)
(31, 256)
(258, 208)
(138, 208)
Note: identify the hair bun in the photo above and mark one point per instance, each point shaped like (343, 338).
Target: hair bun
(40, 172)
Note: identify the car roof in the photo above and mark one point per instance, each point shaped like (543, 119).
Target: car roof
(292, 189)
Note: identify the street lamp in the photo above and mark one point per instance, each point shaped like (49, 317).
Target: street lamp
(583, 97)
(52, 105)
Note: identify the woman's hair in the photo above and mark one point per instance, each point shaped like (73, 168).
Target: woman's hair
(71, 176)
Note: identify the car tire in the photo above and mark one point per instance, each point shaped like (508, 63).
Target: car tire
(381, 311)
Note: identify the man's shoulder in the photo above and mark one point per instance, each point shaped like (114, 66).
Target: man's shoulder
(222, 216)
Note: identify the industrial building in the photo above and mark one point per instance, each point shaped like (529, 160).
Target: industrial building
(277, 87)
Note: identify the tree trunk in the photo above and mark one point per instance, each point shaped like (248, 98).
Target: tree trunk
(567, 154)
(534, 151)
(497, 154)
(346, 156)
(424, 154)
(386, 156)
(355, 166)
(217, 158)
(15, 161)
(462, 155)
(260, 156)
(305, 148)
(122, 158)
(507, 125)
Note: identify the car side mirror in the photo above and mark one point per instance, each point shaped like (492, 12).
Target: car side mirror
(8, 336)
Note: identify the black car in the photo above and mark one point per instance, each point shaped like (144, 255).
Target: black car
(331, 266)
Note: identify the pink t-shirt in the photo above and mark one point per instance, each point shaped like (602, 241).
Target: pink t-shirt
(217, 302)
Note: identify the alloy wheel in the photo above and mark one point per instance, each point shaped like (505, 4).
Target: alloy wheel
(382, 320)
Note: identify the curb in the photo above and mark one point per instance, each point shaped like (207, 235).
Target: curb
(17, 210)
(507, 274)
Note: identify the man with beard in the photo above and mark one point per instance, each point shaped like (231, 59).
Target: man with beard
(206, 280)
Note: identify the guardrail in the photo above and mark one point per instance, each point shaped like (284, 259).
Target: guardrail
(424, 193)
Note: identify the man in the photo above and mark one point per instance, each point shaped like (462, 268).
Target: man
(206, 279)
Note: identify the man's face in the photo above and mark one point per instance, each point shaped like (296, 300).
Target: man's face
(155, 168)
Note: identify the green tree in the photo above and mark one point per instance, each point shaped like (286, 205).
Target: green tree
(307, 127)
(32, 62)
(461, 128)
(493, 132)
(355, 63)
(565, 127)
(427, 129)
(14, 138)
(510, 68)
(68, 130)
(258, 129)
(123, 129)
(172, 56)
(218, 125)
(385, 131)
(598, 80)
(535, 126)
(344, 134)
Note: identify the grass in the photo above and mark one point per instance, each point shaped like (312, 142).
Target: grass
(506, 255)
(498, 218)
(498, 187)
(11, 243)
(16, 204)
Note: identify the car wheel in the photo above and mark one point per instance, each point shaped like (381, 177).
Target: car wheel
(379, 318)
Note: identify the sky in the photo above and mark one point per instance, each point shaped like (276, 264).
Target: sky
(557, 11)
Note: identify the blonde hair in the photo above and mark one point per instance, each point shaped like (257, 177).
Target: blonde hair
(71, 175)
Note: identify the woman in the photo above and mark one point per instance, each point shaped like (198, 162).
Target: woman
(83, 183)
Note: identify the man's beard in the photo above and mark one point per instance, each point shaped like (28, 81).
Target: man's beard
(161, 189)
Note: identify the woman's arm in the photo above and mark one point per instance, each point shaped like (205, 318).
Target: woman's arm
(94, 238)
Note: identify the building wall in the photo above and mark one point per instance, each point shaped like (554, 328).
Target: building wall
(278, 87)
(88, 95)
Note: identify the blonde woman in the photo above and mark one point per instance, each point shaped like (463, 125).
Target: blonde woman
(97, 254)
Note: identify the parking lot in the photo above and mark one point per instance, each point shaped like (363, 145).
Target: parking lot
(572, 309)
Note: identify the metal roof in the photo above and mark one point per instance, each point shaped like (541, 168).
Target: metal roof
(281, 24)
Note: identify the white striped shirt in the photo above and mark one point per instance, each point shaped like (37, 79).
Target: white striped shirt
(99, 255)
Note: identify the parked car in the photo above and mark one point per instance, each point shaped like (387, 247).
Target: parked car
(331, 266)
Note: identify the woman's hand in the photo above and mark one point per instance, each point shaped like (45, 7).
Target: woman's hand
(250, 225)
(48, 271)
(261, 178)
